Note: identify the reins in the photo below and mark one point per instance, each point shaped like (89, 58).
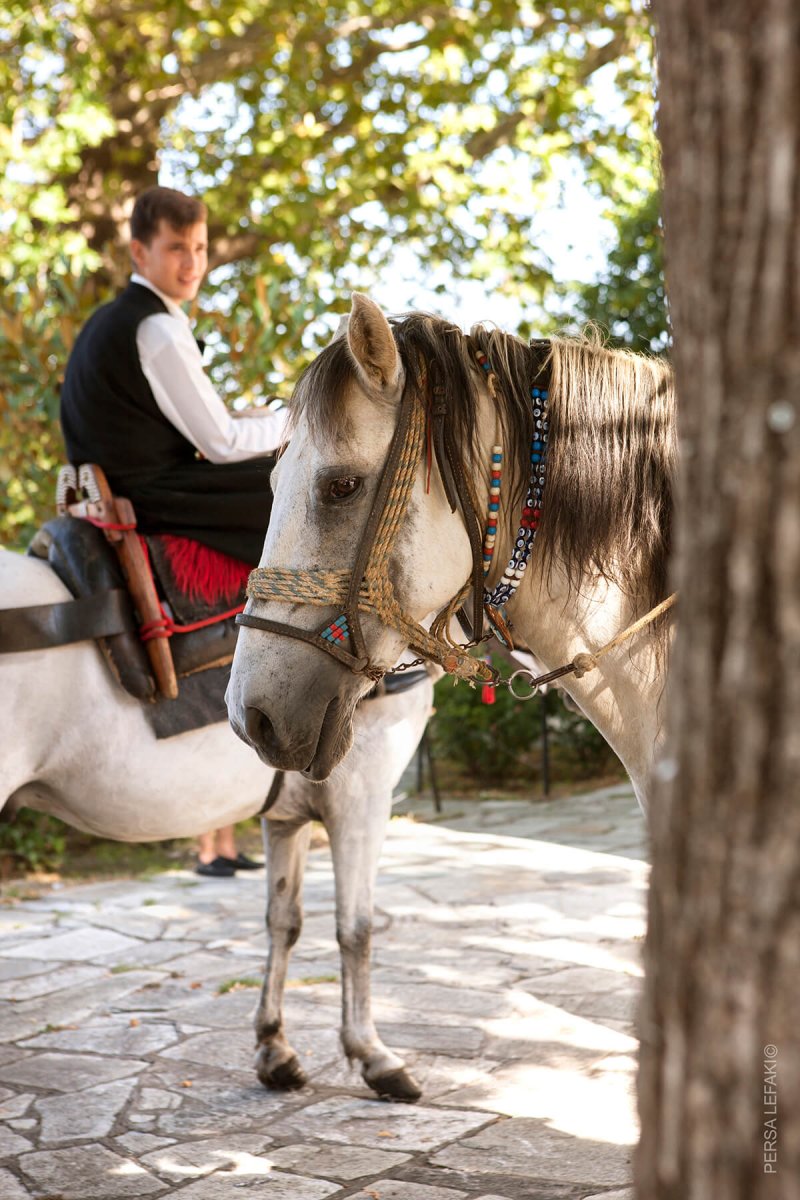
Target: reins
(585, 662)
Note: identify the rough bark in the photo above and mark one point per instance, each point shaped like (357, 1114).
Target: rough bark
(723, 946)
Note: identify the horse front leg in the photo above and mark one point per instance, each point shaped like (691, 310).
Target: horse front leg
(286, 848)
(356, 828)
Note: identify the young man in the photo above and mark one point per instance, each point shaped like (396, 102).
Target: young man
(137, 401)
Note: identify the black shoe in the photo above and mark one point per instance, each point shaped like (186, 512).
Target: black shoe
(241, 863)
(220, 868)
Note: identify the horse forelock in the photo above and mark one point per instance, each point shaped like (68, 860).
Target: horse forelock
(611, 449)
(320, 395)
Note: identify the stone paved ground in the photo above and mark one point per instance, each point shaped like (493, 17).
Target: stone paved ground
(506, 970)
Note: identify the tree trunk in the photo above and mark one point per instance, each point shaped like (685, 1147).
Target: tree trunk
(720, 1061)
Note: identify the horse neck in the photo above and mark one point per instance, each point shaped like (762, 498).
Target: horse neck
(621, 697)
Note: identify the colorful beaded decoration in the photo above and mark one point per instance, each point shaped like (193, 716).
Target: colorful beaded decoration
(337, 631)
(499, 596)
(490, 536)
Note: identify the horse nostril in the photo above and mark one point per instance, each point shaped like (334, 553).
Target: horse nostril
(258, 728)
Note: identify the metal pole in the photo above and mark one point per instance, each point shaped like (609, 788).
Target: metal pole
(545, 748)
(437, 799)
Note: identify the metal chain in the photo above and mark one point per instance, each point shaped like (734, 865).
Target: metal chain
(418, 662)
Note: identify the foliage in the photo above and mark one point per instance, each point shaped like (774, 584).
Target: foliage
(35, 337)
(323, 137)
(629, 299)
(501, 744)
(33, 841)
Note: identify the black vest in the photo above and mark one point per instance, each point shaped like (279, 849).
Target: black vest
(108, 412)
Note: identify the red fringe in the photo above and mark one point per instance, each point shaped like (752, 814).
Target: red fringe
(202, 573)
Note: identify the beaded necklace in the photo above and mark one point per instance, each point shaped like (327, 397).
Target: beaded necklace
(499, 596)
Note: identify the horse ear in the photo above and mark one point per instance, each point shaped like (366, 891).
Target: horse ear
(341, 328)
(372, 345)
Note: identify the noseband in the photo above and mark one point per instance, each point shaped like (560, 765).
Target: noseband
(368, 587)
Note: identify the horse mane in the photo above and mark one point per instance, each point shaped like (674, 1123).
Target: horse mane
(611, 449)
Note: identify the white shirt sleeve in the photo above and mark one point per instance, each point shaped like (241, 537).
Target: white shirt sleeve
(173, 367)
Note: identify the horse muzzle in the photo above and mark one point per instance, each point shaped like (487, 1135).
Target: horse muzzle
(312, 740)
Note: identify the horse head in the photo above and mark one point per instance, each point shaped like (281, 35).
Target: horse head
(363, 546)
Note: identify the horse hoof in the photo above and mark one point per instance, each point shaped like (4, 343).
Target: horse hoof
(284, 1077)
(397, 1084)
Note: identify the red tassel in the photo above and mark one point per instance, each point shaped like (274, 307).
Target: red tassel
(202, 573)
(487, 694)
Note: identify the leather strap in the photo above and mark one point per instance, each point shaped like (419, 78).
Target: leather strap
(367, 542)
(458, 496)
(40, 626)
(314, 639)
(273, 793)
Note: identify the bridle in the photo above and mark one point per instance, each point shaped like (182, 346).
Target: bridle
(367, 587)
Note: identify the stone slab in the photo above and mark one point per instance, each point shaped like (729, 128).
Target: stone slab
(337, 1162)
(70, 1006)
(529, 1148)
(51, 981)
(237, 1153)
(12, 1144)
(14, 1104)
(117, 1038)
(233, 1053)
(277, 1187)
(209, 1109)
(10, 1053)
(233, 1010)
(399, 1189)
(88, 1173)
(92, 1115)
(137, 1144)
(381, 1126)
(77, 945)
(433, 1039)
(573, 1093)
(20, 968)
(68, 1072)
(157, 1100)
(11, 1188)
(160, 953)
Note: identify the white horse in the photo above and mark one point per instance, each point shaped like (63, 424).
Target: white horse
(75, 745)
(389, 461)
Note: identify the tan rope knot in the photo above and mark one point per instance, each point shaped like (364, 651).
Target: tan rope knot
(582, 664)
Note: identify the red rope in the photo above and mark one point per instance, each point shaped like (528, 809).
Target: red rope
(164, 626)
(111, 525)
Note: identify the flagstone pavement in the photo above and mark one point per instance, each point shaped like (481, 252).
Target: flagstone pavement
(506, 971)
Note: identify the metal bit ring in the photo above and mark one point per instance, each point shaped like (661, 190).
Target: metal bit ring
(530, 676)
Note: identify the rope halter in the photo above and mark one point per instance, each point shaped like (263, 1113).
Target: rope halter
(367, 588)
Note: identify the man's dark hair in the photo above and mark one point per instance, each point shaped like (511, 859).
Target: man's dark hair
(178, 210)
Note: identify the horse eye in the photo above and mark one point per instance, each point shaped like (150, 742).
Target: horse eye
(340, 489)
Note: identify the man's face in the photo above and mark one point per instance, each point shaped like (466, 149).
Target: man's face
(174, 260)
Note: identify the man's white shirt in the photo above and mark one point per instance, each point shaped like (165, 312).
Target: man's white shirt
(173, 366)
